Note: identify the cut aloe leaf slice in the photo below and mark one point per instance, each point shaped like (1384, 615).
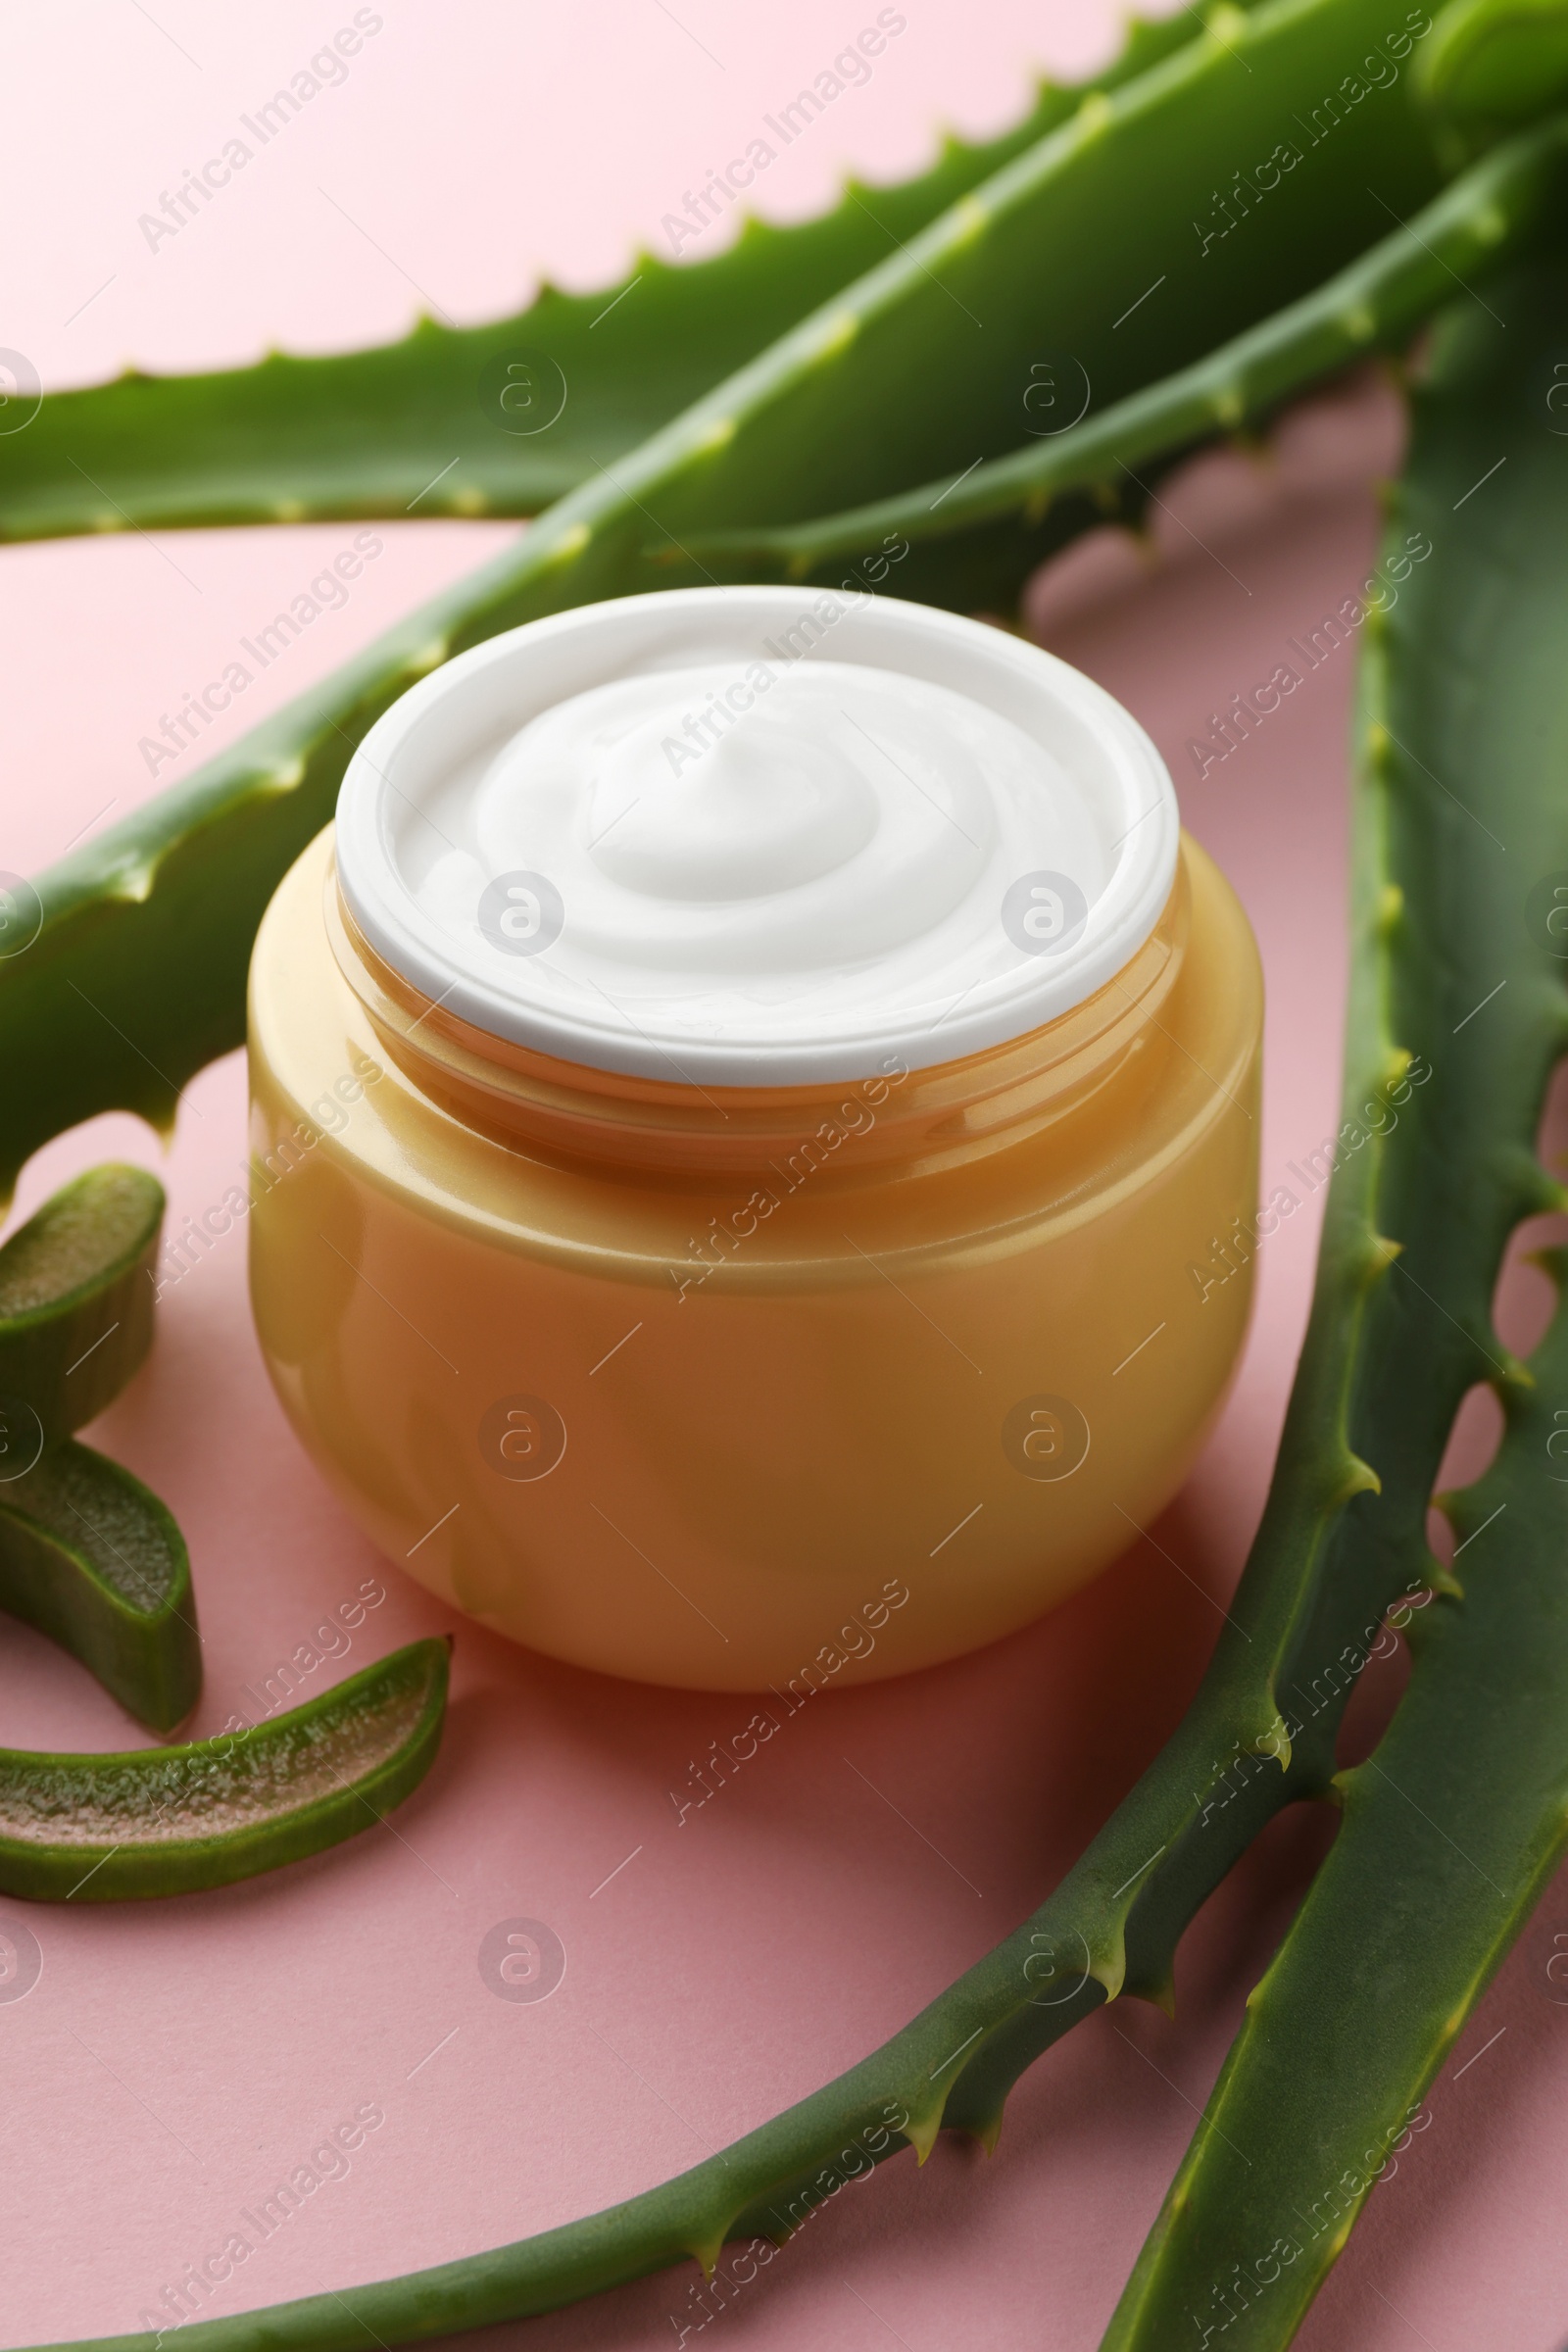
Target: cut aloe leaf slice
(76, 1303)
(94, 1561)
(173, 1820)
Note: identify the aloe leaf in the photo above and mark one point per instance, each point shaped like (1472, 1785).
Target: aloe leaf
(1432, 1151)
(91, 1558)
(1496, 61)
(369, 433)
(77, 1300)
(1463, 742)
(971, 538)
(157, 916)
(101, 1828)
(1117, 206)
(1452, 1831)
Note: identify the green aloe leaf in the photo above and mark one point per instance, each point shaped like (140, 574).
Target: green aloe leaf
(970, 541)
(1454, 1825)
(92, 1558)
(77, 1299)
(1452, 1831)
(171, 1819)
(157, 916)
(414, 425)
(1435, 1169)
(1496, 61)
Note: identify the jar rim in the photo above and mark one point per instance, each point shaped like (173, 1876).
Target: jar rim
(468, 707)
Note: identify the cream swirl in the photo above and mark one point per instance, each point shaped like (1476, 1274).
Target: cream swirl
(763, 862)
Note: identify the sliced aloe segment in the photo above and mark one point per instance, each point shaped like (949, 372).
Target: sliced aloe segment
(93, 1559)
(172, 1820)
(77, 1300)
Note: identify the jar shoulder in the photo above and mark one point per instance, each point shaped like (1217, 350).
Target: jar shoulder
(325, 1092)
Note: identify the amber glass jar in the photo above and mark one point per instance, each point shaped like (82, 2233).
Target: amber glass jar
(721, 1384)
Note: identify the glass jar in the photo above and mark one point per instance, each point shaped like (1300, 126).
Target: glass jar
(733, 1383)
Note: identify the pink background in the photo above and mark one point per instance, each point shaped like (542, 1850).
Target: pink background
(176, 2059)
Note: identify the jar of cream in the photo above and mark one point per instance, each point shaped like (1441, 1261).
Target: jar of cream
(745, 1114)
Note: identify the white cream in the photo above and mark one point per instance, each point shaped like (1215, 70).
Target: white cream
(750, 837)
